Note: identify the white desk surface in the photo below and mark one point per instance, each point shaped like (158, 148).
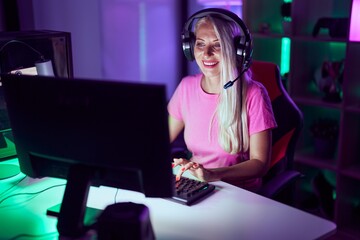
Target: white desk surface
(230, 213)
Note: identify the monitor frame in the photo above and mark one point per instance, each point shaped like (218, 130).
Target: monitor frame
(92, 133)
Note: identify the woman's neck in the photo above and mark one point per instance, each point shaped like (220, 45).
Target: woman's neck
(211, 85)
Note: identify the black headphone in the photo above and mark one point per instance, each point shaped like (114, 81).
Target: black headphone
(243, 44)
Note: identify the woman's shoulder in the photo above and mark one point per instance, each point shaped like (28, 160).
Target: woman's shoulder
(256, 87)
(190, 79)
(256, 93)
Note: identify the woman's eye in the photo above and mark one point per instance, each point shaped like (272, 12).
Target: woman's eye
(199, 44)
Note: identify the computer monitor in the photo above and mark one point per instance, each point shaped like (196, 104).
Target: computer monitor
(90, 132)
(20, 50)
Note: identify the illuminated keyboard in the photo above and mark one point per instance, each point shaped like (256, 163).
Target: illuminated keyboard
(189, 191)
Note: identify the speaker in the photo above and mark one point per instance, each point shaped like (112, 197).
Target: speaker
(125, 220)
(243, 44)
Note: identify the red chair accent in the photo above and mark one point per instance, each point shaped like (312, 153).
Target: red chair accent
(284, 138)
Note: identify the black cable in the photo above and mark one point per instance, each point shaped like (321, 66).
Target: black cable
(21, 42)
(35, 236)
(12, 186)
(34, 193)
(117, 191)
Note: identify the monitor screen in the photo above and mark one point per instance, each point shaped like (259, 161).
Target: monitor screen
(91, 132)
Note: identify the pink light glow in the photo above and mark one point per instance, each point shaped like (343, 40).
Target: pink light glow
(355, 21)
(220, 2)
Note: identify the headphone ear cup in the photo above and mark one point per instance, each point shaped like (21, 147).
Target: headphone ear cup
(240, 50)
(243, 51)
(248, 58)
(188, 45)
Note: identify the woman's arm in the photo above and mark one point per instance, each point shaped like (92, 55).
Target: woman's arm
(255, 167)
(175, 127)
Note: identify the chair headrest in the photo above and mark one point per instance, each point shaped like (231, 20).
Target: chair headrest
(268, 74)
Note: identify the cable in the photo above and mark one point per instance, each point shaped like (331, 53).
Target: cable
(117, 191)
(17, 41)
(1, 194)
(34, 193)
(35, 236)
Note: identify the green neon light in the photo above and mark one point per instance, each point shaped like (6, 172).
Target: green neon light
(285, 55)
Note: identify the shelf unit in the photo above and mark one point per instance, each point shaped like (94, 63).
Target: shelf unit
(307, 54)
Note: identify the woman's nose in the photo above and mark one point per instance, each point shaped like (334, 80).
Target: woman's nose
(208, 51)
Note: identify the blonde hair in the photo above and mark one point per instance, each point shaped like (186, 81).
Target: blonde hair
(231, 109)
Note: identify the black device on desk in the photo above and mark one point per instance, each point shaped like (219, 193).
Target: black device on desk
(94, 132)
(90, 132)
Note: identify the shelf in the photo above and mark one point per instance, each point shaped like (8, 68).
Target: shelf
(308, 158)
(317, 101)
(353, 109)
(305, 78)
(268, 35)
(318, 39)
(299, 38)
(353, 171)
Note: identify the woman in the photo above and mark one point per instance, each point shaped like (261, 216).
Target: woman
(228, 131)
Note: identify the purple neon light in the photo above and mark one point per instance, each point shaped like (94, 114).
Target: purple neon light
(355, 21)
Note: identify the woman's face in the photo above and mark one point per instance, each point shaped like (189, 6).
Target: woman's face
(207, 50)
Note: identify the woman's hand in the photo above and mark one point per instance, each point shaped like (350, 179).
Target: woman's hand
(196, 169)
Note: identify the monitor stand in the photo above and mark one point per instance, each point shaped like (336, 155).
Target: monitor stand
(130, 220)
(91, 214)
(74, 218)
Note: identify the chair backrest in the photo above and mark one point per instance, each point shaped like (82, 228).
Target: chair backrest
(288, 117)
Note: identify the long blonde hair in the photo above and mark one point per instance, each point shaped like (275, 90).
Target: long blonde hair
(231, 109)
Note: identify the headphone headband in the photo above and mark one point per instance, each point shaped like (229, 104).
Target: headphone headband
(243, 46)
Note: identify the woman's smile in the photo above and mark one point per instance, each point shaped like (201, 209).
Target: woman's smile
(210, 64)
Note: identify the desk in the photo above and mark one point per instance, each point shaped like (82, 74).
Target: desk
(230, 213)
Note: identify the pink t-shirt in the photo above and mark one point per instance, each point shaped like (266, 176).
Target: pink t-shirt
(196, 108)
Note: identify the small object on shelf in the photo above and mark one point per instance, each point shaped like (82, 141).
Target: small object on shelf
(325, 132)
(265, 28)
(328, 79)
(337, 27)
(285, 11)
(324, 148)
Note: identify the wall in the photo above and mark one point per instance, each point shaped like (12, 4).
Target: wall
(122, 40)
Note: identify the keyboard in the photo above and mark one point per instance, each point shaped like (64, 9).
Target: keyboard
(189, 191)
